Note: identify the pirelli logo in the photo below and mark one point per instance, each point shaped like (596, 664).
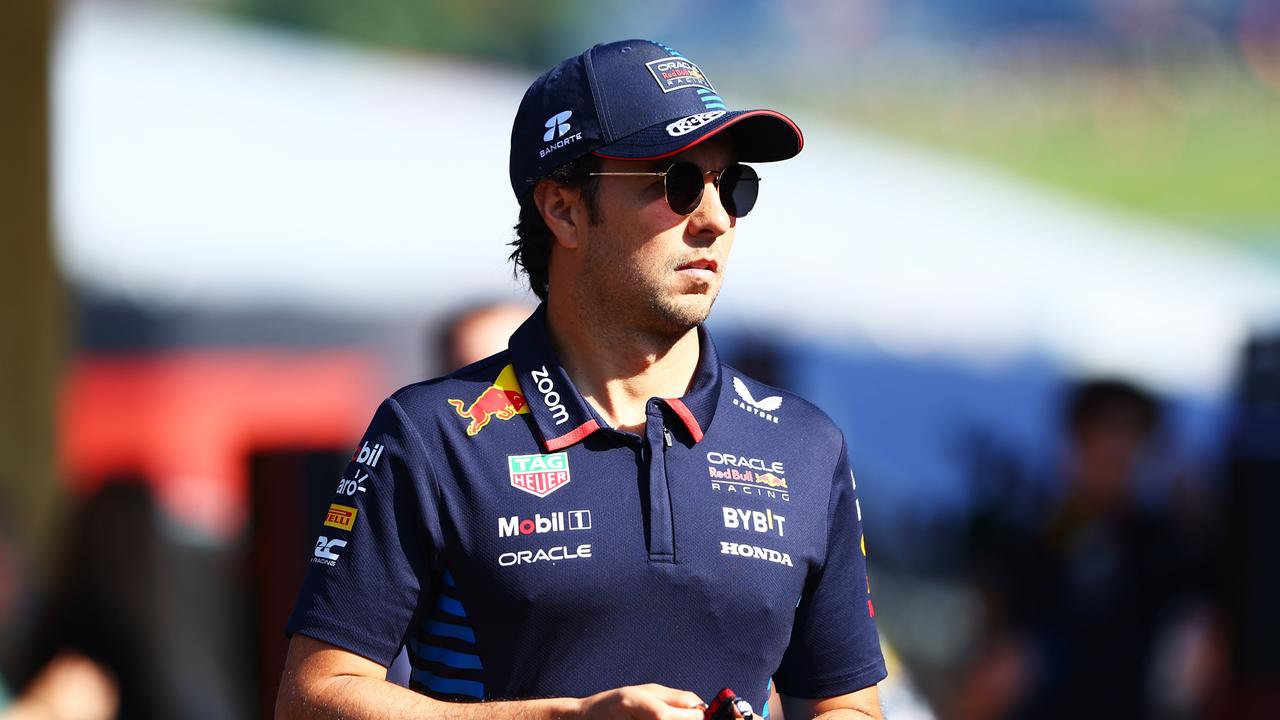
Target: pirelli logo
(342, 517)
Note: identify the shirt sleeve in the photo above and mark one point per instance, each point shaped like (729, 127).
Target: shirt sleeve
(834, 646)
(376, 546)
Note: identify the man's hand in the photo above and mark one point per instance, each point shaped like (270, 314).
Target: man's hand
(325, 682)
(70, 687)
(641, 702)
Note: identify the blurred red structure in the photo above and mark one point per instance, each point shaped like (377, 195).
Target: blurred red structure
(188, 421)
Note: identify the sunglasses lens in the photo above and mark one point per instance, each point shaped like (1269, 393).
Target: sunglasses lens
(739, 187)
(684, 187)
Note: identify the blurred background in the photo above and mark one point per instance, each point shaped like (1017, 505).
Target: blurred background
(1029, 261)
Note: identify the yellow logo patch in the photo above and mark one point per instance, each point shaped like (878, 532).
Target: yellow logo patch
(342, 517)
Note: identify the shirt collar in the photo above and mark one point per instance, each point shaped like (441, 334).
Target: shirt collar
(562, 415)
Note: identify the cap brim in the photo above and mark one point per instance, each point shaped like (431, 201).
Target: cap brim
(758, 136)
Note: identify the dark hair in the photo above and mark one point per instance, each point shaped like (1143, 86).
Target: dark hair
(532, 245)
(1102, 401)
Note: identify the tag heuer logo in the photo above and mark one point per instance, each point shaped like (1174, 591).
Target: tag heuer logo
(539, 475)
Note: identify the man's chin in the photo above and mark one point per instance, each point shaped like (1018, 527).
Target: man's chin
(682, 313)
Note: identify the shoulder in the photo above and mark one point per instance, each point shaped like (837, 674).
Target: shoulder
(793, 418)
(421, 401)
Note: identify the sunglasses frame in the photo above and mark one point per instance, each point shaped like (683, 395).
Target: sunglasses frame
(666, 189)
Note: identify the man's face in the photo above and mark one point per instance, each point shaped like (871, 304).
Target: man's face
(648, 265)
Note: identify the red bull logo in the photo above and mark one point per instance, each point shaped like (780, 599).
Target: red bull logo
(771, 480)
(502, 400)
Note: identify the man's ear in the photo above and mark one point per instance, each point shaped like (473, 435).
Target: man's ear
(557, 204)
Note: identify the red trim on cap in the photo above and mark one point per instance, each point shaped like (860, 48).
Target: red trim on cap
(737, 119)
(690, 421)
(573, 435)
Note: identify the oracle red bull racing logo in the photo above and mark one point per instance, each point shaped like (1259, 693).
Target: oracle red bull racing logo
(674, 73)
(502, 400)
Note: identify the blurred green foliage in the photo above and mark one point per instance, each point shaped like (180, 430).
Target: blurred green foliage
(1203, 151)
(1194, 142)
(501, 30)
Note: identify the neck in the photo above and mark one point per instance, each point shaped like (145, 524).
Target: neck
(617, 368)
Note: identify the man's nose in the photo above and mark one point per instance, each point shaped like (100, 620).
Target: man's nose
(710, 218)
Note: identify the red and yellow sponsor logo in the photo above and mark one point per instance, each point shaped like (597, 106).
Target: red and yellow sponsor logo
(871, 609)
(342, 517)
(771, 480)
(502, 400)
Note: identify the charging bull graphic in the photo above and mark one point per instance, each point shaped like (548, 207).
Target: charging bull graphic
(502, 400)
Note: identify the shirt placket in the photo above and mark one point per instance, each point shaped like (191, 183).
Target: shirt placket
(654, 455)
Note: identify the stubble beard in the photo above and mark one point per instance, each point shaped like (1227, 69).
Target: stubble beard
(675, 317)
(642, 301)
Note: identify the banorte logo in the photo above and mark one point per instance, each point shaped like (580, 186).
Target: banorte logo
(502, 400)
(557, 125)
(558, 133)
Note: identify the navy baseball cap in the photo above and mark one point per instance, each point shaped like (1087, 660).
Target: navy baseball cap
(633, 100)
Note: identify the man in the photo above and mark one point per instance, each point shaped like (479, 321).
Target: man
(602, 521)
(1087, 590)
(475, 332)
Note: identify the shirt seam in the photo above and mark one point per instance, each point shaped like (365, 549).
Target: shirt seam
(601, 106)
(426, 456)
(831, 498)
(437, 497)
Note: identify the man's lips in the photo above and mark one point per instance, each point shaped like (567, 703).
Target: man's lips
(699, 266)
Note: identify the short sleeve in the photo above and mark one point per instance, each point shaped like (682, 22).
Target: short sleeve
(375, 549)
(834, 646)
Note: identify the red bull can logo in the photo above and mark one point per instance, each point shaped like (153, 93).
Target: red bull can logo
(502, 400)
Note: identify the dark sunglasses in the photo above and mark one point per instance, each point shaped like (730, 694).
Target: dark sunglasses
(738, 185)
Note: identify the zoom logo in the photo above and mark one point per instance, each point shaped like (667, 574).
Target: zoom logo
(558, 122)
(547, 386)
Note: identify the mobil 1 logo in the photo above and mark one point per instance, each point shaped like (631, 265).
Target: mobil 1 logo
(557, 521)
(368, 454)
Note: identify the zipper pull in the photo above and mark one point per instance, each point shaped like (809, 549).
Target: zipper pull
(666, 436)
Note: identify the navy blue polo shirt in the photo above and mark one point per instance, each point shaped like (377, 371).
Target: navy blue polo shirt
(520, 547)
